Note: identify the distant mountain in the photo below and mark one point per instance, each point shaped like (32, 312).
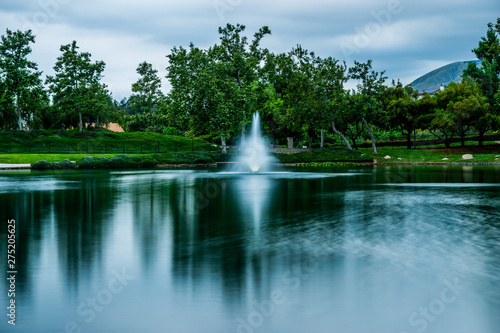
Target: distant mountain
(445, 74)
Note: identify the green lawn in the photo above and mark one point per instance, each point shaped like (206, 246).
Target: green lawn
(432, 155)
(97, 141)
(30, 158)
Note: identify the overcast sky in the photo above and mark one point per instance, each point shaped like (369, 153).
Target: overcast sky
(406, 38)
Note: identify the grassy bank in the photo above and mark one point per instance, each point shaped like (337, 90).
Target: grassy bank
(97, 141)
(485, 154)
(106, 150)
(318, 157)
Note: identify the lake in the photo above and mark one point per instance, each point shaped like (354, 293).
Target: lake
(398, 249)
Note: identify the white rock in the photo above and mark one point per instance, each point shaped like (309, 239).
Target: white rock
(387, 157)
(467, 157)
(399, 158)
(445, 159)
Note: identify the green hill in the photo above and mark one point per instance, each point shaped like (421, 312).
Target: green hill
(445, 75)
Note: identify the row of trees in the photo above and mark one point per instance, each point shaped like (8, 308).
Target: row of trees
(75, 91)
(215, 91)
(301, 95)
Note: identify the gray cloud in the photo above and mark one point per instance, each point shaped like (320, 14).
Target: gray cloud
(406, 37)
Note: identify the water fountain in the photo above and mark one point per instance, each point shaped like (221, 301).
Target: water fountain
(254, 155)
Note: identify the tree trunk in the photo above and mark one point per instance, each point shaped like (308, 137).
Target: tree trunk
(322, 139)
(408, 140)
(462, 139)
(154, 125)
(243, 131)
(447, 142)
(81, 120)
(481, 139)
(19, 120)
(374, 147)
(223, 141)
(289, 142)
(341, 136)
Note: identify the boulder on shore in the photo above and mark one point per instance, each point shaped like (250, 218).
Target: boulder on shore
(467, 157)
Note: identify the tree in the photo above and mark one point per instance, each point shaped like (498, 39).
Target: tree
(241, 65)
(329, 79)
(369, 89)
(21, 76)
(403, 109)
(146, 90)
(459, 108)
(76, 86)
(7, 109)
(289, 92)
(199, 92)
(212, 89)
(487, 75)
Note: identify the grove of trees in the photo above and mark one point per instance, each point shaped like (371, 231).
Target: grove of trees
(215, 91)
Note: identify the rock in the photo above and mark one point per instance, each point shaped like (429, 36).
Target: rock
(445, 159)
(399, 158)
(387, 157)
(467, 157)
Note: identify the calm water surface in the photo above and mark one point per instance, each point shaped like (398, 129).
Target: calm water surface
(392, 249)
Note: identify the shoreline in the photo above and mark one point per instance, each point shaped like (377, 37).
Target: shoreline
(297, 165)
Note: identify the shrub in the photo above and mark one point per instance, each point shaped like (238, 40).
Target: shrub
(170, 131)
(64, 164)
(90, 162)
(45, 165)
(41, 165)
(118, 162)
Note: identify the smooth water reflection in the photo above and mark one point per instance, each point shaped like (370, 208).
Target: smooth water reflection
(393, 249)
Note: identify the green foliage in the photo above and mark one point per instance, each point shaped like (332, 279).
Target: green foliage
(45, 165)
(487, 75)
(212, 89)
(170, 131)
(368, 98)
(324, 155)
(41, 165)
(146, 91)
(459, 108)
(404, 110)
(22, 90)
(76, 88)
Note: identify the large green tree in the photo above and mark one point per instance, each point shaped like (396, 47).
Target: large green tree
(403, 109)
(199, 92)
(459, 108)
(241, 65)
(368, 97)
(487, 75)
(289, 92)
(329, 95)
(76, 87)
(213, 89)
(20, 76)
(146, 91)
